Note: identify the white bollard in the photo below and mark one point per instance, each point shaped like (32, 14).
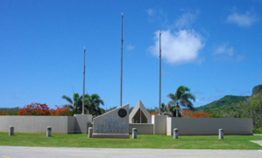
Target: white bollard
(11, 130)
(175, 133)
(134, 133)
(90, 132)
(220, 133)
(48, 131)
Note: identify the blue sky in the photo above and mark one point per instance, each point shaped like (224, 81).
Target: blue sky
(212, 47)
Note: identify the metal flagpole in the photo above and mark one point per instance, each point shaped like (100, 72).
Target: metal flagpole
(83, 97)
(159, 71)
(121, 71)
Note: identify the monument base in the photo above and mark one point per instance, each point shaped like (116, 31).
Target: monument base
(111, 135)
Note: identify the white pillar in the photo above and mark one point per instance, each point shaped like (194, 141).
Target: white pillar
(175, 133)
(11, 130)
(134, 133)
(48, 131)
(220, 133)
(90, 132)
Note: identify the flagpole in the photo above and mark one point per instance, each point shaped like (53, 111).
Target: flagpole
(121, 71)
(159, 71)
(83, 97)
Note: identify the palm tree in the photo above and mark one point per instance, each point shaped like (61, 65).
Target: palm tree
(161, 110)
(93, 104)
(181, 98)
(171, 111)
(75, 104)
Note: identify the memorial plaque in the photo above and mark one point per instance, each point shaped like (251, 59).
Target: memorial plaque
(122, 113)
(113, 124)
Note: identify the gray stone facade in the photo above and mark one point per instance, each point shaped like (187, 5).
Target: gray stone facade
(113, 124)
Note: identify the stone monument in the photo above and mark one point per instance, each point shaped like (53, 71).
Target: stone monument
(113, 124)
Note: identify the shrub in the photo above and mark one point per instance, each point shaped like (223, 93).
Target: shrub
(3, 113)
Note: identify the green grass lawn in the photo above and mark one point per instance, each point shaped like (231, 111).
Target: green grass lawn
(143, 141)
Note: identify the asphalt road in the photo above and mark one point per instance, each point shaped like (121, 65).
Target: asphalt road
(50, 152)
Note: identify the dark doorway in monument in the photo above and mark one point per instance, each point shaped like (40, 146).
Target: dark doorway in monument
(139, 114)
(139, 117)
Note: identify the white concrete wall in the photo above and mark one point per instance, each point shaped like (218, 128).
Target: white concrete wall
(161, 125)
(142, 128)
(71, 125)
(81, 123)
(159, 122)
(37, 124)
(210, 126)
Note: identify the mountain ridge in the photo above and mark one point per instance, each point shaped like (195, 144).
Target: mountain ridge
(226, 103)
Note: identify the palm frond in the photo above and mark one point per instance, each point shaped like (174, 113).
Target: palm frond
(168, 114)
(187, 103)
(181, 91)
(67, 98)
(172, 96)
(189, 96)
(172, 102)
(76, 97)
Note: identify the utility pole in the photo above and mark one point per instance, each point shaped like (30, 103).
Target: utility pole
(159, 71)
(83, 97)
(121, 71)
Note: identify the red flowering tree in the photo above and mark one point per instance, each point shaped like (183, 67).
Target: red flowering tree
(191, 114)
(34, 109)
(188, 114)
(153, 113)
(203, 115)
(61, 111)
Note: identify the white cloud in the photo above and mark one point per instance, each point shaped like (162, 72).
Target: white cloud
(185, 20)
(179, 47)
(227, 53)
(130, 47)
(242, 20)
(224, 49)
(157, 16)
(208, 99)
(150, 12)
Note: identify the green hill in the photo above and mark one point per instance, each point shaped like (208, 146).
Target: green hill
(229, 105)
(257, 90)
(224, 104)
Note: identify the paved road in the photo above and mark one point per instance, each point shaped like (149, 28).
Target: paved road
(50, 152)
